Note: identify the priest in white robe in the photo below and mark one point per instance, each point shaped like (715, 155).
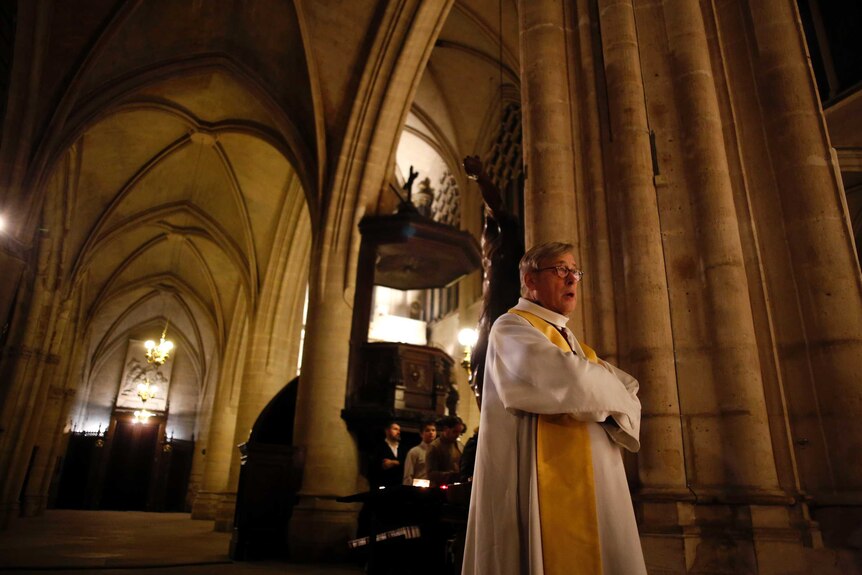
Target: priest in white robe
(549, 490)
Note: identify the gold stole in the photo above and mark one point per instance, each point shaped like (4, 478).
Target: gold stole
(567, 489)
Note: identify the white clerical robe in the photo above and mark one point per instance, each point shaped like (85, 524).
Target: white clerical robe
(527, 375)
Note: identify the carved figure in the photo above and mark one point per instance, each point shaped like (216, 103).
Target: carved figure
(502, 249)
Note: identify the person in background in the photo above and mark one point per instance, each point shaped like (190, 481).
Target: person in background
(444, 455)
(415, 466)
(386, 466)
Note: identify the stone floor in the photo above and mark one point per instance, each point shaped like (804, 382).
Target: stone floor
(130, 543)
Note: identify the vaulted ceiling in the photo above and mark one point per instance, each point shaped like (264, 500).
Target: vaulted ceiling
(178, 161)
(181, 145)
(174, 200)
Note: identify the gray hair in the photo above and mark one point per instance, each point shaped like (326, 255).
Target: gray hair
(531, 259)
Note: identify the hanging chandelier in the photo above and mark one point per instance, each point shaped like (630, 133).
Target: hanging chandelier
(146, 390)
(142, 416)
(158, 354)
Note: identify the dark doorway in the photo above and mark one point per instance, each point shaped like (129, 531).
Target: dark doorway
(133, 451)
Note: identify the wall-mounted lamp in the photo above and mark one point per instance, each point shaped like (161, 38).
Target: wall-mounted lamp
(100, 437)
(467, 338)
(167, 443)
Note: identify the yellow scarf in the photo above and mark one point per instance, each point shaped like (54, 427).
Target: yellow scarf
(567, 489)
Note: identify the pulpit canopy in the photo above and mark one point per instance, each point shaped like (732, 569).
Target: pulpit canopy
(414, 252)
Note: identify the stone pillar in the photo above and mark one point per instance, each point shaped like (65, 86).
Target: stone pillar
(546, 104)
(40, 427)
(258, 388)
(220, 437)
(59, 390)
(597, 291)
(274, 330)
(647, 339)
(742, 466)
(47, 430)
(320, 524)
(25, 391)
(49, 441)
(820, 243)
(401, 46)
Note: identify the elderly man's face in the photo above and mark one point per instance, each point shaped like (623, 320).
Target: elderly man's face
(551, 291)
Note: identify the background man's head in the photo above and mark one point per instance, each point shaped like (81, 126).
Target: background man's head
(393, 432)
(540, 270)
(429, 432)
(450, 428)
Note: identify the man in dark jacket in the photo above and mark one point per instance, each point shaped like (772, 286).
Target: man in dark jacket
(386, 467)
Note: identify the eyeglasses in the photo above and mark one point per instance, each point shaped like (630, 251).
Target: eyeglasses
(563, 272)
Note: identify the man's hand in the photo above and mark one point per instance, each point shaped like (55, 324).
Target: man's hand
(390, 463)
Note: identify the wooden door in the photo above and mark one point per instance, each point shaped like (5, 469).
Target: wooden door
(134, 449)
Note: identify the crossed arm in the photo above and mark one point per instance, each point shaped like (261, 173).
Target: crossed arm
(535, 376)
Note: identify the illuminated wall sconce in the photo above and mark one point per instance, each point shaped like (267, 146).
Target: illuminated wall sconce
(168, 443)
(467, 338)
(100, 437)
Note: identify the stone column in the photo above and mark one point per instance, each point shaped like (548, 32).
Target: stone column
(23, 395)
(274, 330)
(743, 465)
(403, 41)
(647, 336)
(600, 324)
(220, 437)
(546, 104)
(260, 384)
(47, 430)
(820, 243)
(257, 389)
(40, 427)
(320, 524)
(49, 441)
